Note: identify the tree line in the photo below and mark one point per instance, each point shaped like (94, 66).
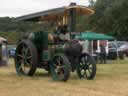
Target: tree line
(8, 24)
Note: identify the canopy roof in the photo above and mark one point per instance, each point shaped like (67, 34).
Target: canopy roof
(94, 36)
(53, 14)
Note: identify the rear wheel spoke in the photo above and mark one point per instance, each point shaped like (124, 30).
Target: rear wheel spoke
(89, 73)
(29, 57)
(20, 55)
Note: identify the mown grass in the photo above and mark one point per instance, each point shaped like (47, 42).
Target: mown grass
(111, 80)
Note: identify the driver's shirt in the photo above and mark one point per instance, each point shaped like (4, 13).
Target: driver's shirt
(65, 36)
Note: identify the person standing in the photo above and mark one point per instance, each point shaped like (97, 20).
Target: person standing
(102, 54)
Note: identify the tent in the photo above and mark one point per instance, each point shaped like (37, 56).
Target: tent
(93, 36)
(90, 37)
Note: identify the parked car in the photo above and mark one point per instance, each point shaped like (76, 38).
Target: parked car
(117, 49)
(12, 52)
(124, 49)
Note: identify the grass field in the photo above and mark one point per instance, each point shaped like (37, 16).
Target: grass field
(111, 80)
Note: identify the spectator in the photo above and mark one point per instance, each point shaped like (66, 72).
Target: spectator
(102, 54)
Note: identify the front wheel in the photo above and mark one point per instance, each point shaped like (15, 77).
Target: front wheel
(60, 68)
(86, 67)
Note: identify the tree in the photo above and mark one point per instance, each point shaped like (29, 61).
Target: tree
(91, 3)
(110, 17)
(118, 18)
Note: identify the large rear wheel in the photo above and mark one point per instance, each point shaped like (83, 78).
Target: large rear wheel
(26, 58)
(86, 67)
(60, 68)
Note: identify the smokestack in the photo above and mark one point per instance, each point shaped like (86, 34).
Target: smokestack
(72, 18)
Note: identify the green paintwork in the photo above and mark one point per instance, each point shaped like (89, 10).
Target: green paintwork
(46, 55)
(59, 49)
(40, 40)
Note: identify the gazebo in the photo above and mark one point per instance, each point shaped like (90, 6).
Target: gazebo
(94, 39)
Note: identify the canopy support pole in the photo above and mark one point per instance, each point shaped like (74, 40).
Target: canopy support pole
(116, 49)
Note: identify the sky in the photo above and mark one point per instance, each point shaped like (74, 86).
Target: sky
(14, 8)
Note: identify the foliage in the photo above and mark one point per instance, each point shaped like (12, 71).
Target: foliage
(12, 30)
(8, 24)
(110, 17)
(12, 37)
